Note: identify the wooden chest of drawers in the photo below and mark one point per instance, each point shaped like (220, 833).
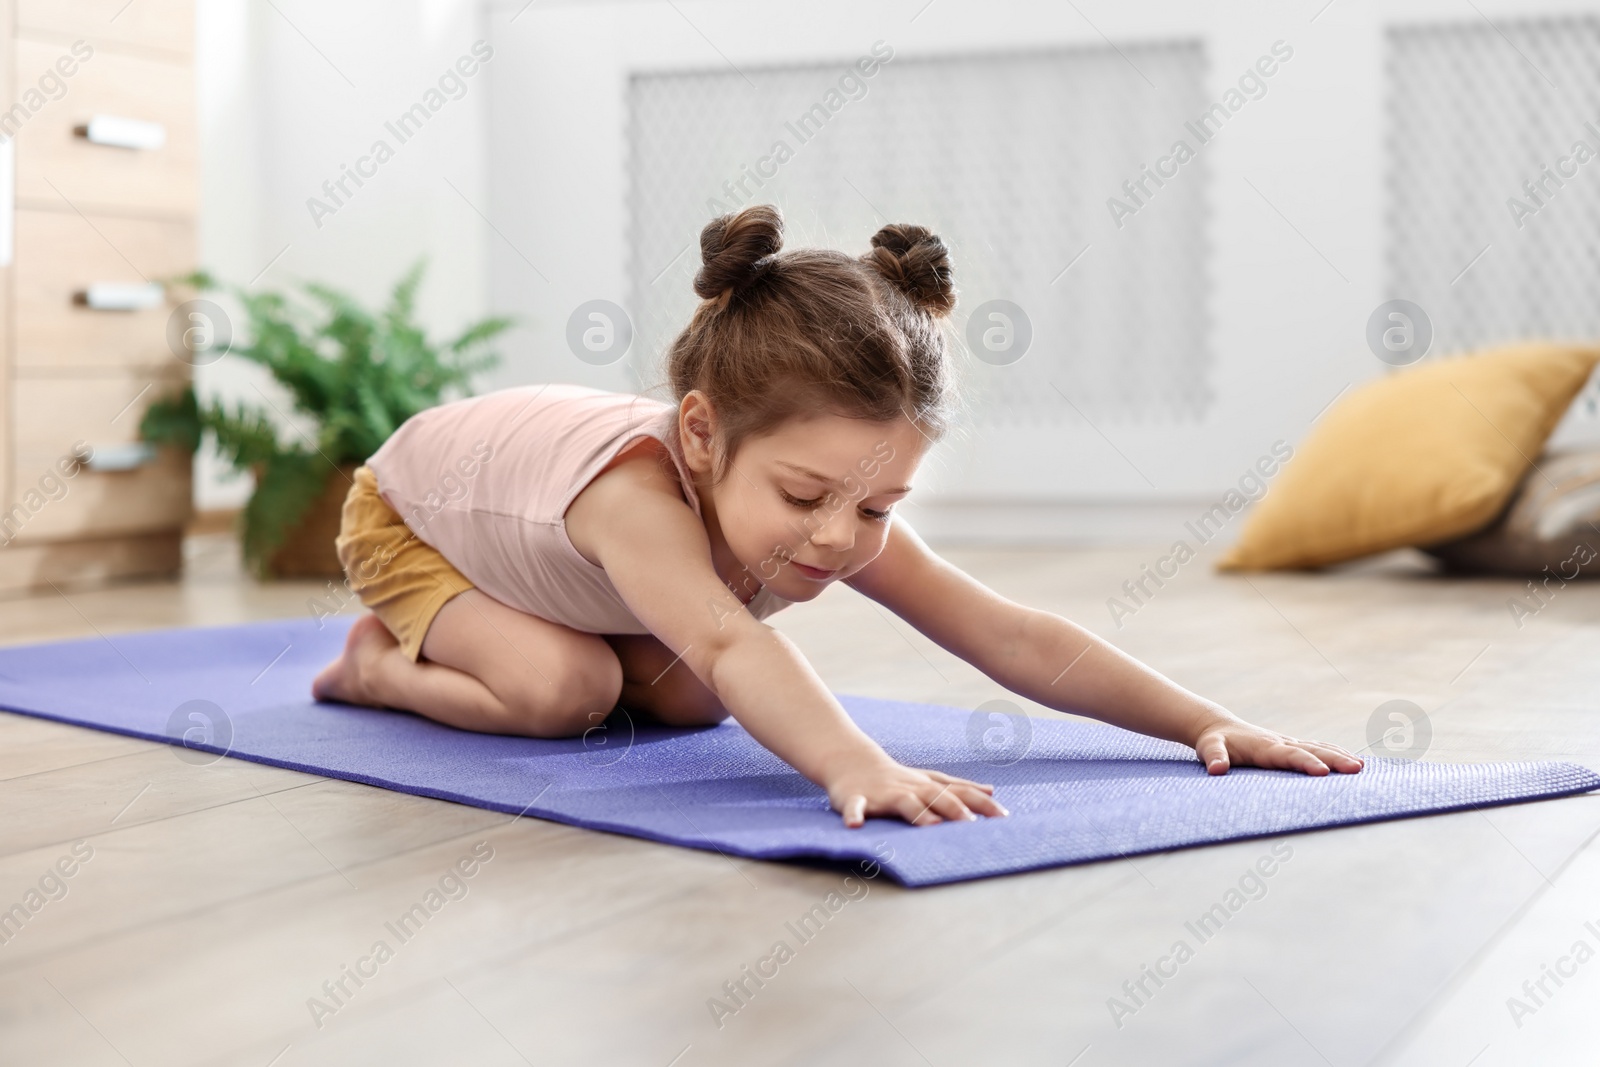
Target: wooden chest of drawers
(98, 188)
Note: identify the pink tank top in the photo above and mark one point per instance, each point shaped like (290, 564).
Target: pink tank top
(487, 481)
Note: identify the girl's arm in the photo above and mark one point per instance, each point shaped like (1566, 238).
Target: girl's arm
(656, 553)
(1059, 664)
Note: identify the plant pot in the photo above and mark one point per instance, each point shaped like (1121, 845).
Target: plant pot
(308, 551)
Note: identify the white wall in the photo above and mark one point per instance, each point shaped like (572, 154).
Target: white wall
(290, 91)
(1295, 227)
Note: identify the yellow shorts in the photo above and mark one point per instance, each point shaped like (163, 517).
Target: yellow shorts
(402, 579)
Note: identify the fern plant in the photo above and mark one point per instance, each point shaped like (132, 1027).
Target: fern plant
(356, 374)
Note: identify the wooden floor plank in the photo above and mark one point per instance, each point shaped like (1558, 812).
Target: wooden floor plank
(152, 783)
(34, 746)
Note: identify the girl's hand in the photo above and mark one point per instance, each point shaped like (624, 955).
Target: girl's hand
(921, 798)
(1228, 740)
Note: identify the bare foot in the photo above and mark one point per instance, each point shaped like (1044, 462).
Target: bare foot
(348, 678)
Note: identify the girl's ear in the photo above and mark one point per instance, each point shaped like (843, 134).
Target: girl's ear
(697, 430)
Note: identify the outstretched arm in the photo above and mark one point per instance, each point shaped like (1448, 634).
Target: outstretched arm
(656, 553)
(1059, 664)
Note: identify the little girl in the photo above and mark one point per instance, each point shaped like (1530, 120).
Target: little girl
(535, 556)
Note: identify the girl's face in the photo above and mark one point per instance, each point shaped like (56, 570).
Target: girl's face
(806, 504)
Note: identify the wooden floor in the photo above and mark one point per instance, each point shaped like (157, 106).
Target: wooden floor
(219, 899)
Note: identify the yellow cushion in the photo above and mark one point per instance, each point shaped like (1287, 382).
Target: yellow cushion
(1425, 455)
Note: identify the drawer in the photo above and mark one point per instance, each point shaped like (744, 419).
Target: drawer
(55, 162)
(164, 24)
(47, 507)
(50, 416)
(59, 254)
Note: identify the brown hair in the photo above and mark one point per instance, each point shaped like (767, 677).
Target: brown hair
(780, 334)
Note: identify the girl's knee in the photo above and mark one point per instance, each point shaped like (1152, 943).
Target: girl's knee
(568, 698)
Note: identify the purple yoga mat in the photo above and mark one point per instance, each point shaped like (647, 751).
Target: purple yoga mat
(1077, 792)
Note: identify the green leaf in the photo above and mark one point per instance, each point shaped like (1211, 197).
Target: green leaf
(375, 414)
(403, 301)
(245, 437)
(173, 420)
(195, 279)
(286, 487)
(481, 332)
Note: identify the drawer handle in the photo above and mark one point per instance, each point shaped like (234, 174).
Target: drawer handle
(109, 458)
(121, 296)
(117, 132)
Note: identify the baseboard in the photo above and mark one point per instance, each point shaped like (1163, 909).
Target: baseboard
(69, 565)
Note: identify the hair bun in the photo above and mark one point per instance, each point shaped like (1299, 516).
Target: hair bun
(736, 249)
(917, 262)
